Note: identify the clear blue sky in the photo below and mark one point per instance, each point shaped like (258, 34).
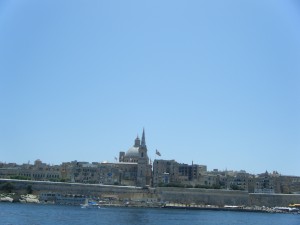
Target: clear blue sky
(213, 82)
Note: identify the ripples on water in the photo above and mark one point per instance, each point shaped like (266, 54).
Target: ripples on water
(32, 214)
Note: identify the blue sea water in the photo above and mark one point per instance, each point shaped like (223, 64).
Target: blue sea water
(32, 214)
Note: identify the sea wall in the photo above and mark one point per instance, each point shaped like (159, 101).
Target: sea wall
(118, 192)
(203, 196)
(271, 200)
(160, 194)
(225, 197)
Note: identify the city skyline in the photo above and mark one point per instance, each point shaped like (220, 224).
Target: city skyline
(157, 154)
(213, 83)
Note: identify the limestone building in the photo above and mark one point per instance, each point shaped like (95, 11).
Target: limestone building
(172, 172)
(133, 168)
(137, 154)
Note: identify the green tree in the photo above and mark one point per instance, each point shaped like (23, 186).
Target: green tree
(236, 187)
(18, 177)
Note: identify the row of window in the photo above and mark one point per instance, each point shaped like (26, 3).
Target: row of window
(39, 175)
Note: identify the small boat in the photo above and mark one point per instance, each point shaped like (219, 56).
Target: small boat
(90, 204)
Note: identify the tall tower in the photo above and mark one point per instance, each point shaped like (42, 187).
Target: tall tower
(144, 169)
(143, 144)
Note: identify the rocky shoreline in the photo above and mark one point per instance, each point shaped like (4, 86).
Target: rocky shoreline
(9, 197)
(234, 208)
(13, 197)
(34, 199)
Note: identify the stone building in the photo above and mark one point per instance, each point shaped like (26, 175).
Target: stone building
(137, 156)
(293, 184)
(165, 172)
(133, 168)
(265, 183)
(172, 172)
(240, 181)
(38, 171)
(191, 173)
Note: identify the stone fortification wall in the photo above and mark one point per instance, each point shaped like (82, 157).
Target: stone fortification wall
(120, 192)
(203, 196)
(225, 197)
(271, 200)
(165, 194)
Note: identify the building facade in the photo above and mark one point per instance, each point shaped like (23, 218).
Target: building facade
(137, 155)
(170, 172)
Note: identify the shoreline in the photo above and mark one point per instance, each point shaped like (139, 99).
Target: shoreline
(238, 209)
(251, 209)
(160, 197)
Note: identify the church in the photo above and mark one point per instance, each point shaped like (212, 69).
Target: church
(132, 169)
(138, 156)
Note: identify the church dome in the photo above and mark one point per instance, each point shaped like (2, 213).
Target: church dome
(133, 152)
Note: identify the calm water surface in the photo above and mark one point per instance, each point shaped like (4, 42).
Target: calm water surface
(54, 214)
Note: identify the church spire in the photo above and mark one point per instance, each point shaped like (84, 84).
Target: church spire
(143, 144)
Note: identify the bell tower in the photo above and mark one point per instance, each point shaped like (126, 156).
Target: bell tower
(137, 142)
(144, 168)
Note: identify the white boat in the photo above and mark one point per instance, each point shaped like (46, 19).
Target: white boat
(90, 204)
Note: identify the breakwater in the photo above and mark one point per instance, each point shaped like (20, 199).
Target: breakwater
(154, 195)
